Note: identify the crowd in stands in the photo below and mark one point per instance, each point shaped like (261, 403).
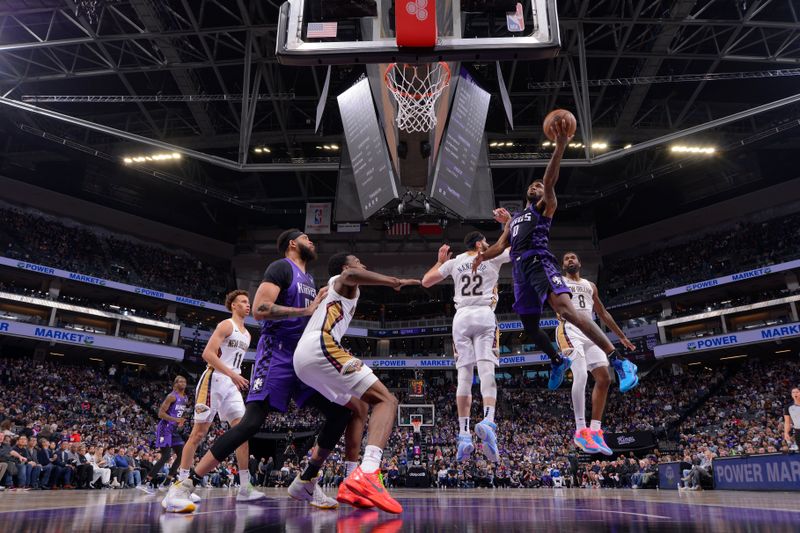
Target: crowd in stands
(734, 249)
(92, 426)
(46, 240)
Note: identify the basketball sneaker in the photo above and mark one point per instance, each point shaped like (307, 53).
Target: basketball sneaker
(310, 491)
(626, 374)
(147, 489)
(178, 498)
(248, 493)
(349, 497)
(487, 432)
(600, 442)
(557, 373)
(583, 440)
(370, 486)
(465, 448)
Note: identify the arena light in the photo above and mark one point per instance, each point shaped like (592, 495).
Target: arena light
(599, 146)
(627, 146)
(262, 150)
(159, 157)
(697, 363)
(493, 144)
(732, 357)
(546, 143)
(95, 359)
(783, 351)
(132, 363)
(57, 354)
(701, 150)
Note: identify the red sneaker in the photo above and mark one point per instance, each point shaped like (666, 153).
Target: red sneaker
(370, 486)
(349, 497)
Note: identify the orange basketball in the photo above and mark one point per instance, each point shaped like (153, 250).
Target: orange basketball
(559, 114)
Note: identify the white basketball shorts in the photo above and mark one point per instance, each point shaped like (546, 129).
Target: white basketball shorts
(476, 336)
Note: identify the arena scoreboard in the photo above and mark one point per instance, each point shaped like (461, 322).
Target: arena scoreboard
(416, 389)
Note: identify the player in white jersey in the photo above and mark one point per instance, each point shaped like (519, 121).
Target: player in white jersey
(323, 364)
(218, 393)
(587, 357)
(475, 336)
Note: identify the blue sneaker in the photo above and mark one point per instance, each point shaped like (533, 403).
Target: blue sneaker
(600, 442)
(583, 440)
(465, 448)
(557, 373)
(487, 432)
(626, 374)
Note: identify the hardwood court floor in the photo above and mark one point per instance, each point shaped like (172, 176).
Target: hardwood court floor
(461, 511)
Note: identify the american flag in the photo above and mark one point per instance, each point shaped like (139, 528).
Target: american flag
(401, 228)
(321, 29)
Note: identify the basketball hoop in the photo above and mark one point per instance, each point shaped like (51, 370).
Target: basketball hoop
(416, 423)
(416, 88)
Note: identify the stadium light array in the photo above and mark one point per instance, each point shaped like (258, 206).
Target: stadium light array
(627, 146)
(599, 146)
(328, 147)
(157, 157)
(262, 150)
(681, 149)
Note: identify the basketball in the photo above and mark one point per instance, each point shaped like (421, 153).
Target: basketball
(559, 114)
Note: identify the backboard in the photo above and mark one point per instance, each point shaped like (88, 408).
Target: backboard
(324, 32)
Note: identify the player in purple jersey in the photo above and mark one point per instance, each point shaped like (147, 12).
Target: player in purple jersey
(168, 436)
(536, 272)
(284, 302)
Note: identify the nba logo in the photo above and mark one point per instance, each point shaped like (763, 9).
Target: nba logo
(318, 215)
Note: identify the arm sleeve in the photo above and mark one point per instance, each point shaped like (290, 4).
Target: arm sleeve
(279, 273)
(786, 410)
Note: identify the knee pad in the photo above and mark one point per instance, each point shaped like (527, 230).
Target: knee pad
(336, 419)
(464, 380)
(488, 382)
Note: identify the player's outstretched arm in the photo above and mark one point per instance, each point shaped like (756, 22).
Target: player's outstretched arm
(547, 205)
(494, 250)
(265, 308)
(608, 320)
(434, 276)
(224, 329)
(356, 276)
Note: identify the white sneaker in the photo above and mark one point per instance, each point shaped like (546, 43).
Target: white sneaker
(179, 498)
(115, 484)
(248, 493)
(147, 489)
(195, 497)
(311, 492)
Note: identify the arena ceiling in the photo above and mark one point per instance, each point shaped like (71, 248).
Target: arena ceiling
(202, 74)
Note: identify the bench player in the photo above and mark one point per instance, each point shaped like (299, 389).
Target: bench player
(475, 336)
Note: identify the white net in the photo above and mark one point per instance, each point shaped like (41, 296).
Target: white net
(416, 89)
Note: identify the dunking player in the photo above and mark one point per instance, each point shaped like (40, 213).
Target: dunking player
(537, 278)
(168, 436)
(586, 357)
(475, 336)
(218, 393)
(322, 363)
(284, 302)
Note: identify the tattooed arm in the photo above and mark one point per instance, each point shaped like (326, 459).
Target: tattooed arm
(265, 308)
